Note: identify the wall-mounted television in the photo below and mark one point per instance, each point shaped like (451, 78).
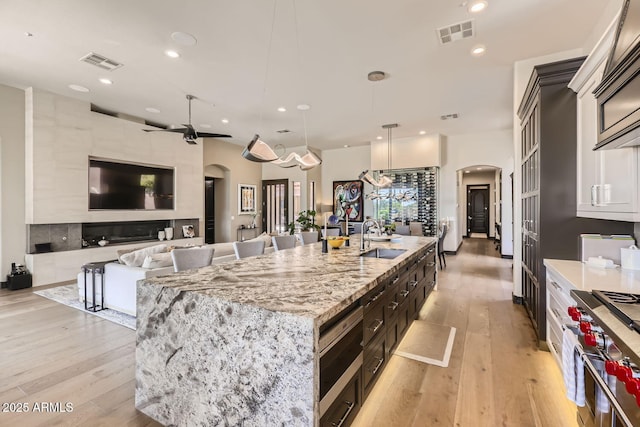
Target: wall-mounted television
(129, 186)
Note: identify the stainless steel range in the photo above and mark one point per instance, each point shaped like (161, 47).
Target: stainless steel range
(609, 333)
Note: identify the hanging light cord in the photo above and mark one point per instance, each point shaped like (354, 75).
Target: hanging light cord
(266, 71)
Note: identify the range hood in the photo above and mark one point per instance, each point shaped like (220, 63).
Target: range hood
(618, 94)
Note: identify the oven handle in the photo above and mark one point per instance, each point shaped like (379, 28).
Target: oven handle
(603, 386)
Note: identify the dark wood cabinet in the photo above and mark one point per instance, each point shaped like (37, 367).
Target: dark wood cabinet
(550, 228)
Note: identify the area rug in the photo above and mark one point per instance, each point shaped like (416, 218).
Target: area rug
(68, 295)
(428, 343)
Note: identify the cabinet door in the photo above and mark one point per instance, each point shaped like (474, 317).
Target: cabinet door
(607, 179)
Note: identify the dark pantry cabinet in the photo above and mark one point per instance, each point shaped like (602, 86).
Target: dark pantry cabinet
(550, 228)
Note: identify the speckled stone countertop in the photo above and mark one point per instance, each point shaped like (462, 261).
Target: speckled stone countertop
(235, 344)
(301, 281)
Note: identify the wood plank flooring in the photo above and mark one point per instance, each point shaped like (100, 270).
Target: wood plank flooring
(496, 375)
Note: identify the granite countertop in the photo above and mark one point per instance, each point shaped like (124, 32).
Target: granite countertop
(301, 281)
(586, 278)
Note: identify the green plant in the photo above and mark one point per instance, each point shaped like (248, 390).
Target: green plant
(390, 228)
(306, 221)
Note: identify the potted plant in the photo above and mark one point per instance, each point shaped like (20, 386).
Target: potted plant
(390, 228)
(306, 221)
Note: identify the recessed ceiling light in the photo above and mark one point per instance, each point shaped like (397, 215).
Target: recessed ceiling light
(225, 121)
(28, 34)
(477, 6)
(422, 132)
(478, 50)
(106, 81)
(378, 137)
(172, 54)
(78, 88)
(205, 125)
(478, 169)
(346, 145)
(282, 109)
(466, 171)
(185, 39)
(152, 110)
(303, 107)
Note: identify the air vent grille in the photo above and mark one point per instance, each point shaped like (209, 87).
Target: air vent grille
(283, 131)
(101, 61)
(449, 116)
(455, 32)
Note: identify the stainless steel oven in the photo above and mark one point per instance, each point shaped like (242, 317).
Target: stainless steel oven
(341, 357)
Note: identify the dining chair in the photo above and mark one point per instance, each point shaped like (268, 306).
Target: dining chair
(415, 228)
(283, 242)
(443, 234)
(248, 249)
(331, 232)
(403, 230)
(190, 258)
(308, 237)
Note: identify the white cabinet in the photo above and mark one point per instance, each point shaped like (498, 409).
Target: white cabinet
(607, 180)
(558, 301)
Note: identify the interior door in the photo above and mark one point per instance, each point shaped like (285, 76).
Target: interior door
(478, 210)
(209, 209)
(275, 205)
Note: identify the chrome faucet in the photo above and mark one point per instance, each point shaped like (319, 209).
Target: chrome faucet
(364, 225)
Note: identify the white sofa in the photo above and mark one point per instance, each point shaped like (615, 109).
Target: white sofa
(120, 279)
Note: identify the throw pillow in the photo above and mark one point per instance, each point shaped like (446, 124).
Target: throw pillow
(121, 252)
(265, 237)
(159, 260)
(136, 258)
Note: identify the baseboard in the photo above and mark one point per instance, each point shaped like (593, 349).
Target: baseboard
(506, 256)
(517, 300)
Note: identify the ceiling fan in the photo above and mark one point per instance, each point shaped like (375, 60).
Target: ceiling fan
(189, 134)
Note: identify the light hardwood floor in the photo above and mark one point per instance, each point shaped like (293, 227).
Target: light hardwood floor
(496, 376)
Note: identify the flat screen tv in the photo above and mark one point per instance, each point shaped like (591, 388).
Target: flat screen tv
(129, 186)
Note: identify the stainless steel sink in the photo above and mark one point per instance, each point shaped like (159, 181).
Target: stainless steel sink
(383, 253)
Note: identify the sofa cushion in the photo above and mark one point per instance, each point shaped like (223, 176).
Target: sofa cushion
(162, 259)
(136, 258)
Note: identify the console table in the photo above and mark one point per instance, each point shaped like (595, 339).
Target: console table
(240, 234)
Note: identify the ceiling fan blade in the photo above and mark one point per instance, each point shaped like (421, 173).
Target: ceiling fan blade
(212, 135)
(181, 130)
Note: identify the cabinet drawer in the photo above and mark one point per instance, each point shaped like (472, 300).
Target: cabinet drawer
(558, 305)
(554, 339)
(344, 409)
(374, 360)
(372, 297)
(374, 322)
(393, 334)
(393, 302)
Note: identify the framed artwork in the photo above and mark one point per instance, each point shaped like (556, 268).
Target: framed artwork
(348, 200)
(246, 199)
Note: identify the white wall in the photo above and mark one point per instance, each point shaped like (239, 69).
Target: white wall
(61, 135)
(238, 170)
(13, 235)
(407, 153)
(487, 148)
(345, 164)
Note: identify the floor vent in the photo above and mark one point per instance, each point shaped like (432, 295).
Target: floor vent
(455, 32)
(101, 61)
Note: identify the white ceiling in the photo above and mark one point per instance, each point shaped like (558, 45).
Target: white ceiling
(340, 42)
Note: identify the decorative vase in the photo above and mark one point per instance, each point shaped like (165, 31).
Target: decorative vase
(168, 233)
(161, 235)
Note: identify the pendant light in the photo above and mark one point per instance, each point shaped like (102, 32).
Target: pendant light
(260, 151)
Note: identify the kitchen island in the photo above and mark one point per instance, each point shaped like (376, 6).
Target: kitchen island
(238, 343)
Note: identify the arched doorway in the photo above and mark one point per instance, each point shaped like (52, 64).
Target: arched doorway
(216, 191)
(479, 201)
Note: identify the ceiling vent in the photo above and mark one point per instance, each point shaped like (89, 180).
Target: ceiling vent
(455, 32)
(283, 131)
(101, 61)
(449, 116)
